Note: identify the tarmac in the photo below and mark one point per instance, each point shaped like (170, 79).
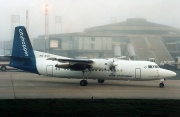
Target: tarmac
(22, 85)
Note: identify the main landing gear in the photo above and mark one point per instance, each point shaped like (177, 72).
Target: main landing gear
(161, 85)
(84, 82)
(100, 80)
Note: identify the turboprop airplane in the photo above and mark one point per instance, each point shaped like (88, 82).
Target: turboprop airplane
(25, 58)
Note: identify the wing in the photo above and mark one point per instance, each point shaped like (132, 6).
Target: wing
(74, 64)
(71, 60)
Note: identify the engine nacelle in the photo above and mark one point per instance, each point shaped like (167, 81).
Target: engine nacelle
(101, 64)
(98, 64)
(77, 66)
(63, 65)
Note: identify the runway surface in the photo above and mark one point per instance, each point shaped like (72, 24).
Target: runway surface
(23, 85)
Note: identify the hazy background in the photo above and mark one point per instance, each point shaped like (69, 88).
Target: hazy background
(80, 14)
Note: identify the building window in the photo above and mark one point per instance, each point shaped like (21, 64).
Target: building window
(92, 46)
(93, 39)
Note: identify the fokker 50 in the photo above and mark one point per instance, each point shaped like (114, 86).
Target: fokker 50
(25, 58)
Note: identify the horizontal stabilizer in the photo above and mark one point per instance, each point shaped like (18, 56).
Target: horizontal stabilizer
(17, 57)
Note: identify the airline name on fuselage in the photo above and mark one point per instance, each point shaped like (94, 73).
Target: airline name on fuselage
(120, 75)
(23, 42)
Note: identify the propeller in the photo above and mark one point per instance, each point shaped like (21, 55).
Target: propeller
(113, 64)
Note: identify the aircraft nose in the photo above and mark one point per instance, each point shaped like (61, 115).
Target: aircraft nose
(173, 74)
(168, 73)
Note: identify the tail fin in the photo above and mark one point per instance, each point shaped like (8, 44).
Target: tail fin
(22, 52)
(22, 46)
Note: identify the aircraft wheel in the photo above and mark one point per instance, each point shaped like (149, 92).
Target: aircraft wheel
(83, 82)
(161, 85)
(3, 68)
(100, 80)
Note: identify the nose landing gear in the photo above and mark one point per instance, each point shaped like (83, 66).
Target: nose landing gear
(161, 85)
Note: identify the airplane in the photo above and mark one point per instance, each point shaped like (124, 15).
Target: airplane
(25, 58)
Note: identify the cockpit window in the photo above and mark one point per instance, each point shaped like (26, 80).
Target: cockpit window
(153, 66)
(149, 66)
(156, 66)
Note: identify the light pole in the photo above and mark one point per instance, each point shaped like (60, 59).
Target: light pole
(46, 25)
(46, 21)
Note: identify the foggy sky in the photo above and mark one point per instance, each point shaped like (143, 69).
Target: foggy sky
(80, 14)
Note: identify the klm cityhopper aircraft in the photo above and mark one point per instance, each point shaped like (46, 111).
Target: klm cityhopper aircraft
(25, 58)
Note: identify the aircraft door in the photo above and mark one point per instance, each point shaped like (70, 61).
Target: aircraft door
(138, 73)
(49, 70)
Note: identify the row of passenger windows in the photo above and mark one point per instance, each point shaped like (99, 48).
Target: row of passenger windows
(124, 75)
(121, 75)
(107, 70)
(149, 66)
(153, 66)
(94, 70)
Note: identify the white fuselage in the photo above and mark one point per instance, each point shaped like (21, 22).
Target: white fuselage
(124, 70)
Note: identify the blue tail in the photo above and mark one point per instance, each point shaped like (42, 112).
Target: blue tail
(22, 52)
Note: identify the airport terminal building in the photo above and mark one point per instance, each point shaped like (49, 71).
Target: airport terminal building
(136, 38)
